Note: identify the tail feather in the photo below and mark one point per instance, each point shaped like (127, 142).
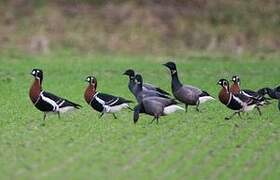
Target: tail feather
(170, 109)
(128, 101)
(204, 93)
(67, 103)
(205, 96)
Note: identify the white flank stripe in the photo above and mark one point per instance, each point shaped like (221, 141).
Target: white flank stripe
(100, 100)
(244, 93)
(170, 109)
(50, 101)
(114, 102)
(61, 103)
(203, 99)
(239, 101)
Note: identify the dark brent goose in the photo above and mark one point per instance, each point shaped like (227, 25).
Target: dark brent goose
(237, 102)
(272, 93)
(130, 73)
(45, 101)
(235, 88)
(102, 102)
(187, 94)
(140, 93)
(155, 106)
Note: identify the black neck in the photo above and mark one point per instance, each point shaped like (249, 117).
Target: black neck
(139, 87)
(175, 83)
(131, 84)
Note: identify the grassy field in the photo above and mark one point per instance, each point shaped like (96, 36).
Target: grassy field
(183, 146)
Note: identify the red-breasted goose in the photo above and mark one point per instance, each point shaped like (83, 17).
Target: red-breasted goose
(235, 88)
(102, 102)
(45, 101)
(236, 101)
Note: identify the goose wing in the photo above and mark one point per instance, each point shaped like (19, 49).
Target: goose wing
(252, 94)
(154, 88)
(111, 100)
(244, 99)
(164, 101)
(189, 94)
(60, 102)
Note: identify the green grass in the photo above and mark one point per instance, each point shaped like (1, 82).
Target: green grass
(183, 146)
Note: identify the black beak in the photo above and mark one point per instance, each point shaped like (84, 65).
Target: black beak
(165, 65)
(218, 83)
(124, 73)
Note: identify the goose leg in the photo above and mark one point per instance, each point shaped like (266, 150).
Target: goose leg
(197, 104)
(152, 120)
(130, 108)
(157, 120)
(239, 114)
(186, 107)
(115, 117)
(100, 116)
(228, 118)
(258, 109)
(45, 114)
(58, 114)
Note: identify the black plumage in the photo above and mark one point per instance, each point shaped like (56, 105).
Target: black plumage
(272, 93)
(189, 95)
(146, 87)
(235, 88)
(45, 101)
(140, 93)
(236, 101)
(102, 102)
(152, 105)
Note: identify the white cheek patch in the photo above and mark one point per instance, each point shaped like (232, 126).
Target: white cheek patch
(33, 72)
(173, 71)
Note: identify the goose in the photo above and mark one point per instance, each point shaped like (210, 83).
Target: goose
(45, 101)
(152, 105)
(273, 93)
(189, 95)
(101, 102)
(131, 74)
(235, 88)
(236, 101)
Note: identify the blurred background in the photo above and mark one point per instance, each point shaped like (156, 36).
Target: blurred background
(141, 26)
